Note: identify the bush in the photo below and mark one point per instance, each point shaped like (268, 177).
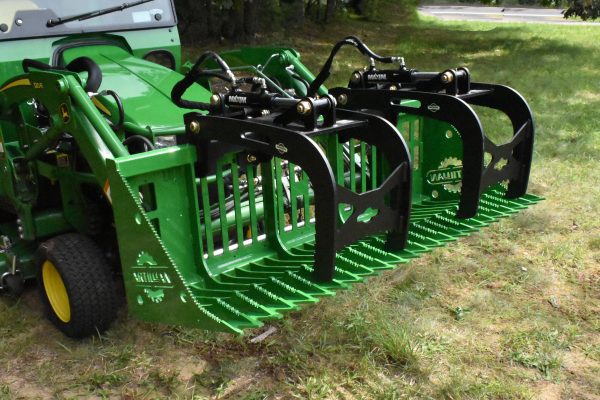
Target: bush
(241, 20)
(585, 9)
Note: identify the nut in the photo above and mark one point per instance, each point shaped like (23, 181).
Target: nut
(215, 100)
(195, 126)
(447, 77)
(343, 99)
(304, 107)
(251, 158)
(393, 87)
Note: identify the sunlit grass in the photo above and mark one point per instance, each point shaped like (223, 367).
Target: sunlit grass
(510, 312)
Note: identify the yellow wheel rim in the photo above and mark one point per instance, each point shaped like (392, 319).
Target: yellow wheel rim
(56, 291)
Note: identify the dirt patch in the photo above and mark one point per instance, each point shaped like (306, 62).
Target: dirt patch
(23, 389)
(584, 375)
(548, 391)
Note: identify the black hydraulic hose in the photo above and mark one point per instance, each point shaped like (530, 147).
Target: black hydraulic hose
(301, 80)
(86, 64)
(326, 69)
(213, 74)
(192, 76)
(222, 64)
(180, 88)
(80, 64)
(29, 63)
(362, 47)
(147, 143)
(115, 96)
(215, 211)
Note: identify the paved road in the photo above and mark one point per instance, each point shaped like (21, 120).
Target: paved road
(500, 14)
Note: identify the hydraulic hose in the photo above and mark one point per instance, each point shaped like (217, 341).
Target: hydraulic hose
(347, 41)
(80, 64)
(86, 64)
(147, 143)
(114, 95)
(192, 76)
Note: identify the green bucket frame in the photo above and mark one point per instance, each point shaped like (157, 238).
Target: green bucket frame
(181, 273)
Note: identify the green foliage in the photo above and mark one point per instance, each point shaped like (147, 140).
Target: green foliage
(540, 348)
(375, 10)
(585, 9)
(244, 20)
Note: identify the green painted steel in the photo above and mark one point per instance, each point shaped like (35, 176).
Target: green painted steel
(239, 285)
(52, 192)
(223, 252)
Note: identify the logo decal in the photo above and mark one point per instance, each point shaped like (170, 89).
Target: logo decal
(280, 147)
(433, 107)
(448, 174)
(238, 99)
(152, 279)
(377, 77)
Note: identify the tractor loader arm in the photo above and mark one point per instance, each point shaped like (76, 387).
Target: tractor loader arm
(71, 110)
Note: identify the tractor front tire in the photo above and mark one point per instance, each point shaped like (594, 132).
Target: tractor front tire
(76, 285)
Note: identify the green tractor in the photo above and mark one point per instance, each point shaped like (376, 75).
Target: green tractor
(228, 191)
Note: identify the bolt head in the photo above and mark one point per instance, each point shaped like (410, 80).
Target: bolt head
(251, 158)
(393, 87)
(355, 78)
(343, 99)
(195, 126)
(447, 77)
(304, 107)
(215, 100)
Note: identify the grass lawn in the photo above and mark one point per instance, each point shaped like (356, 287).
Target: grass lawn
(510, 312)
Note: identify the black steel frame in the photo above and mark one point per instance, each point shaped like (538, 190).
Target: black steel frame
(265, 138)
(455, 109)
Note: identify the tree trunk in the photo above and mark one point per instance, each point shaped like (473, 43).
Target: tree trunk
(293, 13)
(251, 17)
(232, 26)
(330, 10)
(210, 25)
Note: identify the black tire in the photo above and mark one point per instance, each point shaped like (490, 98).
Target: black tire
(87, 279)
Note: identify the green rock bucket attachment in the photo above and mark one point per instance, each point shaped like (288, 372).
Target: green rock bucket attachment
(222, 231)
(171, 278)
